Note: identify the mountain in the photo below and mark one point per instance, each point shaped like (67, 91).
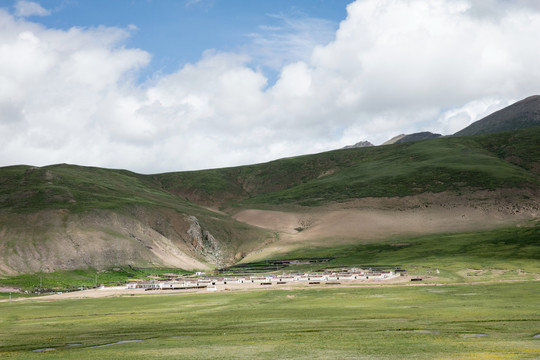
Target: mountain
(520, 115)
(425, 135)
(64, 217)
(360, 144)
(72, 217)
(394, 139)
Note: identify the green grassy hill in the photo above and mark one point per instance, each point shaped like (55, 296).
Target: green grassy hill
(503, 160)
(63, 217)
(520, 115)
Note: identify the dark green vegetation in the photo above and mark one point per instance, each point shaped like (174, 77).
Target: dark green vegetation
(424, 135)
(25, 189)
(422, 322)
(482, 162)
(503, 160)
(523, 114)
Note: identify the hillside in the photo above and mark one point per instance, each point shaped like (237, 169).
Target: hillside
(69, 217)
(425, 135)
(520, 115)
(506, 160)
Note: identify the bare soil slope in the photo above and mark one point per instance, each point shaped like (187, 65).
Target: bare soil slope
(372, 219)
(58, 240)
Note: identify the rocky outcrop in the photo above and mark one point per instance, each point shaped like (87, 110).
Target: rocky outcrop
(424, 135)
(203, 242)
(394, 139)
(360, 144)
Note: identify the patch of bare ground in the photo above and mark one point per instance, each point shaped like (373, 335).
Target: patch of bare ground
(58, 240)
(4, 289)
(373, 219)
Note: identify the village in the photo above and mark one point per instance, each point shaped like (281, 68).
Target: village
(330, 277)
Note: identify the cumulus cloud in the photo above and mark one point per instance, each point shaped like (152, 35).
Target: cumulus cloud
(391, 67)
(30, 8)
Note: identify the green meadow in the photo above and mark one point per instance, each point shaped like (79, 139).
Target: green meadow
(70, 280)
(460, 321)
(511, 253)
(493, 161)
(479, 298)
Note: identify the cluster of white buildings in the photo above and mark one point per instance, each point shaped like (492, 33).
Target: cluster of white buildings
(311, 278)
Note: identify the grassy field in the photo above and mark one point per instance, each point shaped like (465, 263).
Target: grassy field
(484, 302)
(69, 280)
(506, 253)
(483, 305)
(495, 321)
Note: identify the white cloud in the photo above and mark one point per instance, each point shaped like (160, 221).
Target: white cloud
(292, 39)
(391, 67)
(29, 8)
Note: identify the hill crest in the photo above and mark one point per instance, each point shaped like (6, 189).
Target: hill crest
(66, 216)
(520, 115)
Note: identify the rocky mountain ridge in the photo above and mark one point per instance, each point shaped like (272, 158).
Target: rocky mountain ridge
(360, 144)
(520, 115)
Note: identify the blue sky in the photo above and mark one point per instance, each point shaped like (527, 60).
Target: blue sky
(160, 85)
(176, 32)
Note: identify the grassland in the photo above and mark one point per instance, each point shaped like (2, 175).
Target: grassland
(502, 160)
(483, 303)
(421, 322)
(69, 280)
(25, 189)
(479, 256)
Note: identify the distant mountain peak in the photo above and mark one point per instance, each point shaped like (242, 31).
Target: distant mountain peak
(424, 135)
(394, 139)
(520, 115)
(360, 144)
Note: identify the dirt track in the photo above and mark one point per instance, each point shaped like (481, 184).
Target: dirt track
(121, 291)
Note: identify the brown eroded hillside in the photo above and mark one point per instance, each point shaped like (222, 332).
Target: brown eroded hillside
(70, 217)
(369, 220)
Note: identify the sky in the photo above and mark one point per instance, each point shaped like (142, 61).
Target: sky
(156, 86)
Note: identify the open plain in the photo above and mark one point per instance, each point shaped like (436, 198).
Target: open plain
(459, 215)
(459, 321)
